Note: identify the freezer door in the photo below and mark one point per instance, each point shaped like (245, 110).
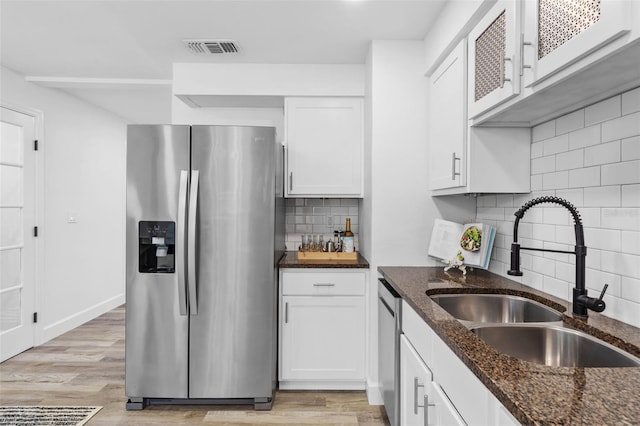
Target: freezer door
(232, 335)
(156, 332)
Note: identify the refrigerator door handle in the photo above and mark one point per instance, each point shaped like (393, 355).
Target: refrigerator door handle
(191, 250)
(180, 249)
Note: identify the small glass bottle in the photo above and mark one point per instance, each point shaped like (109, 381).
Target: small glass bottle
(347, 239)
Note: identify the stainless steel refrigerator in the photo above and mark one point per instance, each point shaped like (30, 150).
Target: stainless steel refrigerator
(205, 230)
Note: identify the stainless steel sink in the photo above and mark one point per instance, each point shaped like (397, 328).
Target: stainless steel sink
(554, 346)
(495, 308)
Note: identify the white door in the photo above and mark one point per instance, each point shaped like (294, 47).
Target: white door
(17, 221)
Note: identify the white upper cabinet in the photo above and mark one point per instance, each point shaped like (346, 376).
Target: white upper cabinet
(558, 33)
(325, 140)
(467, 159)
(559, 55)
(494, 58)
(448, 123)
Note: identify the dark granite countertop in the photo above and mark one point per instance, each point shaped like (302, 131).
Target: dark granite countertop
(290, 260)
(534, 394)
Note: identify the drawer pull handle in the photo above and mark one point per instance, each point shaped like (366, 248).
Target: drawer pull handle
(323, 284)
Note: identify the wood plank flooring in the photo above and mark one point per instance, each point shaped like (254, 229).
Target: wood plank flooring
(86, 367)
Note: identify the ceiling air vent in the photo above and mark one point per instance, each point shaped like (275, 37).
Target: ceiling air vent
(210, 47)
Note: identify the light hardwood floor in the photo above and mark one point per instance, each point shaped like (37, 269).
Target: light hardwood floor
(86, 367)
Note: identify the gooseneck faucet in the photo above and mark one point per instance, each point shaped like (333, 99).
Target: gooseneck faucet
(581, 301)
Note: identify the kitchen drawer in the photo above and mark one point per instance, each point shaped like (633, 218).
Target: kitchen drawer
(419, 333)
(323, 284)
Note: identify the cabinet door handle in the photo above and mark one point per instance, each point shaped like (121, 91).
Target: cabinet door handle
(290, 181)
(503, 78)
(522, 45)
(323, 284)
(416, 385)
(286, 312)
(426, 409)
(453, 166)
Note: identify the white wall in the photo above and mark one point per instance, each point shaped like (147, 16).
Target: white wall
(397, 213)
(182, 113)
(591, 157)
(83, 148)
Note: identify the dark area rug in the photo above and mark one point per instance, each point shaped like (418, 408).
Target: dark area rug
(46, 415)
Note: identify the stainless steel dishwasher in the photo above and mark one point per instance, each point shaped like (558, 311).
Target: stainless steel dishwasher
(389, 328)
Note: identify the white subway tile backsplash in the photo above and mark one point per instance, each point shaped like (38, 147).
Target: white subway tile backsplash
(314, 215)
(570, 160)
(591, 217)
(543, 265)
(627, 265)
(603, 239)
(630, 289)
(555, 180)
(505, 200)
(624, 310)
(537, 149)
(631, 148)
(555, 215)
(555, 287)
(544, 131)
(565, 233)
(574, 196)
(570, 122)
(631, 195)
(582, 138)
(602, 196)
(603, 111)
(487, 201)
(536, 182)
(602, 154)
(595, 281)
(630, 242)
(601, 163)
(556, 145)
(544, 232)
(490, 213)
(586, 177)
(560, 257)
(565, 272)
(620, 128)
(543, 165)
(625, 172)
(594, 258)
(623, 218)
(631, 101)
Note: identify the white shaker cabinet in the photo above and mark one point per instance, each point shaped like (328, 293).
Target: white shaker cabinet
(322, 329)
(466, 159)
(423, 402)
(455, 396)
(559, 33)
(494, 57)
(324, 147)
(448, 121)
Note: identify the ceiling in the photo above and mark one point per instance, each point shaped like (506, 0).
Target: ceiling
(128, 47)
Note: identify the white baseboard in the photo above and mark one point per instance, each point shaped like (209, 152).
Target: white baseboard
(374, 393)
(321, 385)
(77, 319)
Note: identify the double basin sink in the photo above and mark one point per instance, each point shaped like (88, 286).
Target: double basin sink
(530, 331)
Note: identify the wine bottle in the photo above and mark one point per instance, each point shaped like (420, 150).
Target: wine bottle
(347, 239)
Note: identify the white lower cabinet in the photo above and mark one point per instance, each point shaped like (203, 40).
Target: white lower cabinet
(454, 395)
(422, 401)
(322, 330)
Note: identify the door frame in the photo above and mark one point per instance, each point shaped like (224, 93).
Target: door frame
(39, 208)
